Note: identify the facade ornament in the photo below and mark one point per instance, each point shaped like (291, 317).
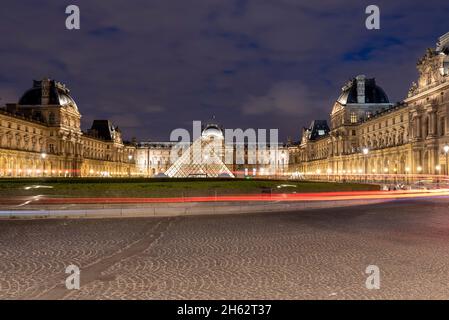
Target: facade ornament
(412, 90)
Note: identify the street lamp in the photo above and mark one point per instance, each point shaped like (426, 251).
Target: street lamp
(438, 169)
(446, 152)
(129, 165)
(365, 153)
(43, 156)
(386, 174)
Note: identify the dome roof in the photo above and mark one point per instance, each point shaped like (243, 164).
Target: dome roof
(212, 130)
(57, 94)
(372, 92)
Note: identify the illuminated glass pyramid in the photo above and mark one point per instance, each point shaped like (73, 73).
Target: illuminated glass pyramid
(203, 158)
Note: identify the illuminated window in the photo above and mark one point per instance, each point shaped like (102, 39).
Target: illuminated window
(353, 117)
(321, 132)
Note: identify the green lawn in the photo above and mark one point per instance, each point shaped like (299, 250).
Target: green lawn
(114, 187)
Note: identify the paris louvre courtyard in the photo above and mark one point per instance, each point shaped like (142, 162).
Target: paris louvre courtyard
(224, 150)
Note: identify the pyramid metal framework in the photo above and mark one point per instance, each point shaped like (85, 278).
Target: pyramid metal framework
(201, 159)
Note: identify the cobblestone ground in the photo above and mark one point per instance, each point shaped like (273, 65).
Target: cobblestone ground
(316, 254)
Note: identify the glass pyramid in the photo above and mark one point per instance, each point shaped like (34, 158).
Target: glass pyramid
(202, 159)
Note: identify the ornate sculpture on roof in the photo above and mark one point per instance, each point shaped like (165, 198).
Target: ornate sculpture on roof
(443, 44)
(413, 89)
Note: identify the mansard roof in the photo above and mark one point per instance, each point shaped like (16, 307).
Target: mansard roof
(373, 93)
(103, 129)
(317, 130)
(58, 94)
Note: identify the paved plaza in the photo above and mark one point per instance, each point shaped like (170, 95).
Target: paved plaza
(312, 254)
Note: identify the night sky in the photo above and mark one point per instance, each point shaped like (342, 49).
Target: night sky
(153, 66)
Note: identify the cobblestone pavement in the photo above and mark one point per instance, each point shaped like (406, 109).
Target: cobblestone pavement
(310, 254)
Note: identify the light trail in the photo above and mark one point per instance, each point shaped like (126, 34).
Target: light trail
(322, 196)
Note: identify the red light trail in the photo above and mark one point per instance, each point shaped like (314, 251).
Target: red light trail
(321, 196)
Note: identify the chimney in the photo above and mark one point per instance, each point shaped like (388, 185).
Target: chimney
(45, 84)
(360, 88)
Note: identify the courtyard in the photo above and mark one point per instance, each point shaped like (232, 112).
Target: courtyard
(315, 254)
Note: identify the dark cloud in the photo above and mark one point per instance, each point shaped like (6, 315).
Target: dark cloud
(152, 66)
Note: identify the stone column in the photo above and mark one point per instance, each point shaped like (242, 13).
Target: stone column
(432, 123)
(417, 127)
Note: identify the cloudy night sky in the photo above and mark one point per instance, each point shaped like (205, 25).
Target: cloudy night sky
(153, 66)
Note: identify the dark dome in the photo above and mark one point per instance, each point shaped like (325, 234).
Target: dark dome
(58, 94)
(212, 130)
(373, 93)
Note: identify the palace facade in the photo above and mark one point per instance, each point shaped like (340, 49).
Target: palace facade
(41, 136)
(369, 135)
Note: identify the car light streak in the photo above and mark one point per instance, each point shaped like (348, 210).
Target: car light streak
(322, 196)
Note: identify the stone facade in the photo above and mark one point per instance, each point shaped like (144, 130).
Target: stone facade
(369, 135)
(41, 136)
(153, 158)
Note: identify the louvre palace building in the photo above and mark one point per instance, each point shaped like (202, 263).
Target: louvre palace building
(41, 136)
(368, 134)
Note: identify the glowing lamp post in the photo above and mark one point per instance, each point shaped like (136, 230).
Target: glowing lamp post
(438, 170)
(407, 170)
(43, 157)
(446, 152)
(130, 157)
(365, 152)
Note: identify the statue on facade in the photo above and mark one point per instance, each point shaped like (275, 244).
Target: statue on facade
(412, 89)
